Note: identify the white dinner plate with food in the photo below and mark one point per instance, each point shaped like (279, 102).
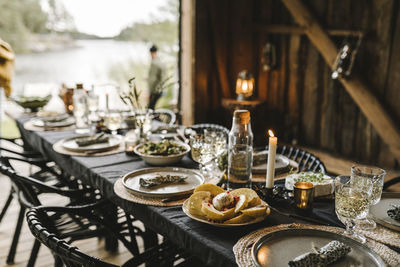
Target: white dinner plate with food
(162, 182)
(53, 123)
(203, 219)
(260, 162)
(379, 212)
(112, 142)
(162, 153)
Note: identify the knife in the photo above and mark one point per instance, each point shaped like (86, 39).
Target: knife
(297, 216)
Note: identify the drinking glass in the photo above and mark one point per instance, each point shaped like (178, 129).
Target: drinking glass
(80, 115)
(202, 150)
(93, 106)
(374, 175)
(218, 140)
(113, 121)
(352, 203)
(143, 121)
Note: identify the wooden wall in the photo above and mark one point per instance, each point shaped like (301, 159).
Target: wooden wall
(303, 103)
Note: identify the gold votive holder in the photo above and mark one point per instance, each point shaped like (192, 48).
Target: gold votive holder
(130, 144)
(303, 195)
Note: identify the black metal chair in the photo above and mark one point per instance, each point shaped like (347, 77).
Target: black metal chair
(32, 189)
(166, 116)
(391, 182)
(46, 232)
(305, 160)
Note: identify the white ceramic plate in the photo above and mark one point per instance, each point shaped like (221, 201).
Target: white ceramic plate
(38, 122)
(278, 248)
(203, 219)
(281, 162)
(131, 182)
(162, 160)
(379, 213)
(113, 142)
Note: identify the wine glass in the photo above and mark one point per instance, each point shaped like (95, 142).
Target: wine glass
(352, 203)
(202, 150)
(376, 176)
(113, 121)
(93, 106)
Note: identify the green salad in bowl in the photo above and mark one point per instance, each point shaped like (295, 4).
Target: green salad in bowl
(162, 152)
(32, 102)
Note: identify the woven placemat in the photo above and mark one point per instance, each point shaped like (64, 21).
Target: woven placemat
(30, 127)
(242, 248)
(120, 190)
(60, 149)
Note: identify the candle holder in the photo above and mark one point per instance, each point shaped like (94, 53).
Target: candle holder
(130, 143)
(303, 195)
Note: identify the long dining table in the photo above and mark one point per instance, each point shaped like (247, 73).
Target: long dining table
(213, 245)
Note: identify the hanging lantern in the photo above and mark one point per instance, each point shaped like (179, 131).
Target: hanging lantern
(244, 85)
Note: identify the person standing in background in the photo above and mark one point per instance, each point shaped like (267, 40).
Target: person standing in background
(6, 67)
(156, 76)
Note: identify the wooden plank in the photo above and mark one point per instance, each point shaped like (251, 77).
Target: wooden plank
(187, 59)
(358, 90)
(293, 90)
(296, 30)
(310, 97)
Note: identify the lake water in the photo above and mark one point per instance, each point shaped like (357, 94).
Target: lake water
(89, 62)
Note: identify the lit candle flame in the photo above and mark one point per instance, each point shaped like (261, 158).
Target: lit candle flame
(271, 133)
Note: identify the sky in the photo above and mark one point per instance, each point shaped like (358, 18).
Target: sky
(106, 18)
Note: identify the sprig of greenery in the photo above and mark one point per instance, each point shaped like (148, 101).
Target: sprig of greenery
(132, 98)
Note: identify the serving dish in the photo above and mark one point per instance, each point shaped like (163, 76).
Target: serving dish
(203, 219)
(279, 247)
(323, 187)
(32, 102)
(162, 160)
(132, 184)
(71, 145)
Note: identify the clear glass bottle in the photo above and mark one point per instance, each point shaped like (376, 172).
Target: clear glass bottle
(240, 151)
(80, 110)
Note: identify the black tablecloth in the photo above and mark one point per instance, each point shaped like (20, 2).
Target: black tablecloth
(211, 244)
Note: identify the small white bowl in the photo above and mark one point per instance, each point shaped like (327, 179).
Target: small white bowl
(162, 160)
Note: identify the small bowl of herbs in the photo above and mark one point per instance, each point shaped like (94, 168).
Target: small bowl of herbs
(162, 153)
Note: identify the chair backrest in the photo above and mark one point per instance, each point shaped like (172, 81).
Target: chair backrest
(29, 188)
(306, 160)
(164, 115)
(41, 227)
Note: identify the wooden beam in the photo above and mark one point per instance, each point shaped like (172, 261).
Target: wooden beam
(187, 62)
(289, 29)
(358, 90)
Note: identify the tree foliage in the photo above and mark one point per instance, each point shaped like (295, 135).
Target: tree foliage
(162, 32)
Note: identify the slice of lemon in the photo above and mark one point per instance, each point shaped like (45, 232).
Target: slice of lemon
(255, 212)
(251, 195)
(212, 188)
(242, 218)
(241, 204)
(214, 214)
(196, 200)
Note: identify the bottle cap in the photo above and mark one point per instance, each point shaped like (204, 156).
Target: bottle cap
(242, 116)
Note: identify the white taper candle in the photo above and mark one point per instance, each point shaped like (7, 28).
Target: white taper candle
(273, 141)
